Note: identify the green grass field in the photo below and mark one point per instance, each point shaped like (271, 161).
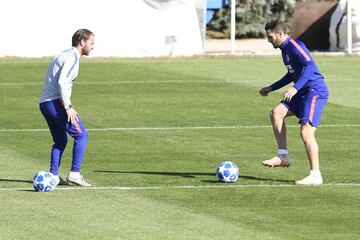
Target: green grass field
(157, 130)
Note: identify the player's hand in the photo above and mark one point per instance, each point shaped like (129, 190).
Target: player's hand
(265, 91)
(72, 115)
(288, 94)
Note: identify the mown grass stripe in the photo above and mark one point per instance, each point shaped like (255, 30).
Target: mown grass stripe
(188, 187)
(150, 82)
(177, 128)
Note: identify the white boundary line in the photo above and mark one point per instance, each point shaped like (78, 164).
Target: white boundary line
(150, 82)
(139, 82)
(178, 128)
(187, 187)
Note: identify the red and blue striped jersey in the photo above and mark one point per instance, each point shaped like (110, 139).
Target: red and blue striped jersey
(302, 69)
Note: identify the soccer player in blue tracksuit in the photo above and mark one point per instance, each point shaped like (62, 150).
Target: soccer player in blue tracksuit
(56, 107)
(305, 99)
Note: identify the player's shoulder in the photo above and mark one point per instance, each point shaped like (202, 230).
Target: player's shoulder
(66, 55)
(298, 47)
(297, 44)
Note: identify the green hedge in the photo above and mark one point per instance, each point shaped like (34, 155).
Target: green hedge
(251, 15)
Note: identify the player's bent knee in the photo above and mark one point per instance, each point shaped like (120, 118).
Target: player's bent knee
(276, 114)
(271, 114)
(84, 135)
(307, 132)
(60, 144)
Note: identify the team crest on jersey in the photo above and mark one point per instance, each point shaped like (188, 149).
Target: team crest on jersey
(289, 68)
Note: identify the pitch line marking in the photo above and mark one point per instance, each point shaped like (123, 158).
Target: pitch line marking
(147, 81)
(187, 187)
(178, 128)
(137, 82)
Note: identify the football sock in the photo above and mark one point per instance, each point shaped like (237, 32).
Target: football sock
(282, 152)
(315, 173)
(57, 179)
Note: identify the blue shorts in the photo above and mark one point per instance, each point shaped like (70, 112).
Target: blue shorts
(308, 108)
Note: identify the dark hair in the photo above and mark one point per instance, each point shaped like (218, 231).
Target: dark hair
(81, 34)
(276, 24)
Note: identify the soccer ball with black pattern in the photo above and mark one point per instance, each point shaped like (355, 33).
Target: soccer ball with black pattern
(227, 172)
(44, 181)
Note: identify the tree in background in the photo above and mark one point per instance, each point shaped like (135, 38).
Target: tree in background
(251, 15)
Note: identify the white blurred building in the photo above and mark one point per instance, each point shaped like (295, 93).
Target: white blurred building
(338, 26)
(124, 28)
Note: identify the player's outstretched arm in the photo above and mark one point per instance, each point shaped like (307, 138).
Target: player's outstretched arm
(265, 91)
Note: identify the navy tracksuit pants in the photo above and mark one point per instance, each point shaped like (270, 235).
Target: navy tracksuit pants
(56, 118)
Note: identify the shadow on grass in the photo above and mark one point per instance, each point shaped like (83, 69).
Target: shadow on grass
(28, 190)
(16, 180)
(255, 179)
(180, 174)
(191, 175)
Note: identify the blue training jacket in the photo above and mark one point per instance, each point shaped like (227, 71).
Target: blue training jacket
(302, 70)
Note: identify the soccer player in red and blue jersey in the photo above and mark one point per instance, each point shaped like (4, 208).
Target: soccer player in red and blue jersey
(305, 99)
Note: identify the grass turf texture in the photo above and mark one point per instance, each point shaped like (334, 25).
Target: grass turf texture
(185, 92)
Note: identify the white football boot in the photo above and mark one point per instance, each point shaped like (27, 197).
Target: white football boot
(78, 180)
(310, 180)
(281, 160)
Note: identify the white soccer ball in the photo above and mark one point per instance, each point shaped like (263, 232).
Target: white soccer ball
(44, 181)
(227, 172)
